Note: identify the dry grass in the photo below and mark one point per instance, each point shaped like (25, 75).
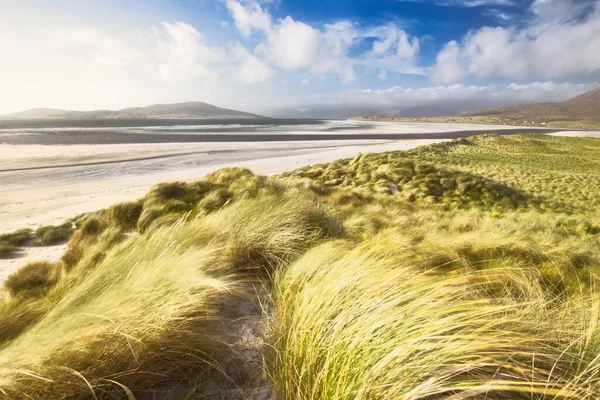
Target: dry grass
(476, 280)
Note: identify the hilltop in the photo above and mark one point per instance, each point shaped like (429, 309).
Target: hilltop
(187, 110)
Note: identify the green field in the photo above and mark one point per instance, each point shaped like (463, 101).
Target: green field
(466, 269)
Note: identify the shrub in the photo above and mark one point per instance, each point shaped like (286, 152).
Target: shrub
(35, 278)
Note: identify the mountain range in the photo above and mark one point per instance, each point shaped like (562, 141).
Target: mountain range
(583, 107)
(188, 110)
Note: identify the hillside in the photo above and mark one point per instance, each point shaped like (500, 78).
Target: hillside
(465, 269)
(188, 110)
(583, 107)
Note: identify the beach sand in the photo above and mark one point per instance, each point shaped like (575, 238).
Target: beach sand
(52, 204)
(47, 203)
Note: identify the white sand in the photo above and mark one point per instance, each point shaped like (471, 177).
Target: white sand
(588, 134)
(17, 157)
(53, 204)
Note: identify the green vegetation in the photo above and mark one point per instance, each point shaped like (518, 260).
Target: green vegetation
(33, 278)
(49, 235)
(9, 241)
(489, 120)
(467, 269)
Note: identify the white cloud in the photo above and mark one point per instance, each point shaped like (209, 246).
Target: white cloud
(250, 17)
(553, 47)
(465, 3)
(183, 54)
(251, 69)
(392, 50)
(293, 45)
(328, 49)
(305, 82)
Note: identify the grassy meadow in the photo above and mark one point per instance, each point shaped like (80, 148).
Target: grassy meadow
(462, 270)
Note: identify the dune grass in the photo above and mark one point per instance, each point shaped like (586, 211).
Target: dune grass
(50, 234)
(10, 241)
(467, 269)
(362, 322)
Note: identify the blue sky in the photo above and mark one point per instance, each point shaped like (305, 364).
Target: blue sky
(260, 55)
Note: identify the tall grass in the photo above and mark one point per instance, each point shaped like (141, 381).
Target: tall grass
(146, 312)
(476, 279)
(10, 241)
(359, 322)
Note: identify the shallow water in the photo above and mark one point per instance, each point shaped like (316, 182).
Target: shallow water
(50, 132)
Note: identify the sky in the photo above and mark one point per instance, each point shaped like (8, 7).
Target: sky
(264, 55)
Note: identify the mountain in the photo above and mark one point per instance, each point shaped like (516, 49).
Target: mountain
(188, 110)
(582, 107)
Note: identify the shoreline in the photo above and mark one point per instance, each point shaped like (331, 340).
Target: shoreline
(52, 204)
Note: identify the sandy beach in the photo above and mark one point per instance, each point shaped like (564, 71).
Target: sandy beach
(58, 182)
(25, 203)
(45, 184)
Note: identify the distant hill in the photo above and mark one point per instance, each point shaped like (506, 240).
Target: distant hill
(188, 110)
(582, 107)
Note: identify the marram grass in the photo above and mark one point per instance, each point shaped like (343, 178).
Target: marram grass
(463, 270)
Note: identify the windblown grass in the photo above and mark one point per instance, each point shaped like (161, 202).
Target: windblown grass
(10, 241)
(467, 269)
(361, 322)
(50, 234)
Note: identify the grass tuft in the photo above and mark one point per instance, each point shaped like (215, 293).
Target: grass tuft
(49, 235)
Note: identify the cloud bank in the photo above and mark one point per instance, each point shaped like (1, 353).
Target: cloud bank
(562, 42)
(462, 98)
